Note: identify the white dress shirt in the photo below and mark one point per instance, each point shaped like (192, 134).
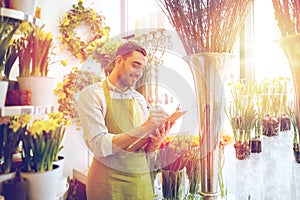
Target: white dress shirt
(92, 111)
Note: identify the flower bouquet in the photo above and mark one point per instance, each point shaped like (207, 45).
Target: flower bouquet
(34, 51)
(11, 129)
(192, 157)
(172, 162)
(42, 142)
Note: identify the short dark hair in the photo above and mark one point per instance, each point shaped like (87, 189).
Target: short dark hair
(129, 47)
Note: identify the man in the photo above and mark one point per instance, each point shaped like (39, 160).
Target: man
(120, 130)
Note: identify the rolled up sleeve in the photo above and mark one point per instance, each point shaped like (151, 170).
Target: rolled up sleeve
(91, 111)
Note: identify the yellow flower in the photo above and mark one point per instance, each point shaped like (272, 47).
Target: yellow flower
(36, 128)
(15, 126)
(79, 55)
(66, 22)
(25, 119)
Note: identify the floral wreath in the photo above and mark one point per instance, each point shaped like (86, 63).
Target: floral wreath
(76, 17)
(67, 90)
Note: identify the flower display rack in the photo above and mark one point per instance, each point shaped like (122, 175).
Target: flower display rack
(19, 15)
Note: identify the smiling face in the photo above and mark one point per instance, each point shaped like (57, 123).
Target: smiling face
(128, 70)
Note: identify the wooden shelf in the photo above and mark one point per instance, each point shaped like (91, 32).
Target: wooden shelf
(19, 15)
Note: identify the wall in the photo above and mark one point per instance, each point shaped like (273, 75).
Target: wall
(75, 152)
(138, 15)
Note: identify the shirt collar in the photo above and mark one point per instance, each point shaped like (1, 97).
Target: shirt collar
(115, 89)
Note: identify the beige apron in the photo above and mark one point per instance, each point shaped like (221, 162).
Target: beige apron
(123, 175)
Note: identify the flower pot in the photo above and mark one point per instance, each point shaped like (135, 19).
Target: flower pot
(3, 92)
(285, 122)
(26, 6)
(16, 188)
(60, 162)
(255, 144)
(242, 150)
(296, 151)
(270, 126)
(41, 89)
(4, 177)
(42, 185)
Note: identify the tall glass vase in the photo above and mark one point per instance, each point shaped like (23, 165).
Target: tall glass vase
(291, 48)
(208, 70)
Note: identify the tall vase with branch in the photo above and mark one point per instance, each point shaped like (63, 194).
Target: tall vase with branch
(287, 14)
(208, 30)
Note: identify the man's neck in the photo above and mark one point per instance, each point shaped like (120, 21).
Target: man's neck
(116, 83)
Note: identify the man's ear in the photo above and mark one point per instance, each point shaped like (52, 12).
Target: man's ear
(118, 59)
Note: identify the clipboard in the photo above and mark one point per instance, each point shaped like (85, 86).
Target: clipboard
(175, 116)
(172, 118)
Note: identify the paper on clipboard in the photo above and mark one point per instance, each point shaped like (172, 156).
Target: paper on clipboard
(175, 116)
(171, 118)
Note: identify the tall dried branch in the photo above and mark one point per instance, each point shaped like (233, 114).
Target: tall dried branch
(206, 25)
(287, 15)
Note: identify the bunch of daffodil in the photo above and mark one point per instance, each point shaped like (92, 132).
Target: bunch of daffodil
(11, 129)
(7, 47)
(242, 112)
(42, 142)
(272, 99)
(172, 152)
(34, 52)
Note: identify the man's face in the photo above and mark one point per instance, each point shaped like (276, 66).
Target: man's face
(132, 69)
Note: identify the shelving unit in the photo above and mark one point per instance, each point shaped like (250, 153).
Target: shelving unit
(16, 110)
(19, 15)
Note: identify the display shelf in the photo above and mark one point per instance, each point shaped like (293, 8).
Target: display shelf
(16, 110)
(80, 175)
(62, 189)
(19, 15)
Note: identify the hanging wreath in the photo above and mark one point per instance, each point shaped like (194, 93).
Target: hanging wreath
(81, 16)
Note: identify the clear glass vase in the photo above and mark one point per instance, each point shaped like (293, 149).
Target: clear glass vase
(173, 184)
(290, 46)
(209, 70)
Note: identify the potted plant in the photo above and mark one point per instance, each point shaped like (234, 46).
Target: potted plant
(242, 115)
(172, 161)
(34, 55)
(292, 114)
(41, 144)
(11, 129)
(7, 55)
